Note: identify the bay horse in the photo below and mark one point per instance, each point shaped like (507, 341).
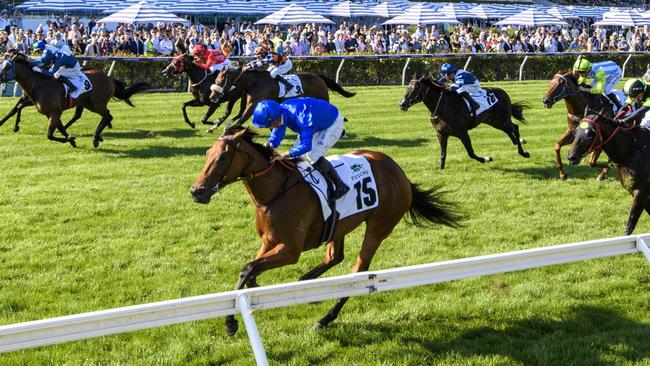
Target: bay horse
(565, 86)
(48, 95)
(200, 80)
(23, 102)
(285, 203)
(258, 85)
(628, 147)
(451, 117)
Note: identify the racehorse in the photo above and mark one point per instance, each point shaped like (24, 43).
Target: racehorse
(201, 81)
(565, 86)
(23, 102)
(285, 203)
(628, 148)
(450, 115)
(48, 95)
(258, 85)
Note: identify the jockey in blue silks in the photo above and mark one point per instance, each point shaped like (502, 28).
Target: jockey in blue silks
(318, 125)
(463, 83)
(64, 64)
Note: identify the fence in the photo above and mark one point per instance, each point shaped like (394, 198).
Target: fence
(68, 328)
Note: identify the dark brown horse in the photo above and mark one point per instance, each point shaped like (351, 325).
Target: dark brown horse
(565, 86)
(628, 148)
(200, 80)
(451, 117)
(258, 85)
(23, 102)
(285, 202)
(49, 97)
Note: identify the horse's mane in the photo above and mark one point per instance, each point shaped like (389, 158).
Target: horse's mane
(21, 58)
(250, 137)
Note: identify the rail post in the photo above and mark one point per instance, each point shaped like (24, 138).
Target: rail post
(469, 59)
(110, 69)
(521, 68)
(625, 64)
(338, 71)
(642, 246)
(244, 307)
(406, 65)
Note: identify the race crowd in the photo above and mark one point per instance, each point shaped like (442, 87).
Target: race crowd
(92, 38)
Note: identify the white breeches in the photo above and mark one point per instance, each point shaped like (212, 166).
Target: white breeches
(470, 88)
(280, 69)
(325, 139)
(68, 72)
(218, 67)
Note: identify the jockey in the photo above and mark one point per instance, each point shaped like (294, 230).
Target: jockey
(318, 125)
(598, 78)
(279, 64)
(65, 65)
(637, 91)
(464, 83)
(212, 60)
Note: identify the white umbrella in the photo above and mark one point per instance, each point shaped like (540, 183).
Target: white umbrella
(623, 18)
(420, 14)
(293, 14)
(27, 4)
(587, 11)
(61, 5)
(486, 12)
(561, 12)
(237, 7)
(142, 12)
(387, 10)
(532, 18)
(348, 9)
(194, 7)
(455, 11)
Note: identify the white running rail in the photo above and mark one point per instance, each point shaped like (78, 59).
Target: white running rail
(99, 323)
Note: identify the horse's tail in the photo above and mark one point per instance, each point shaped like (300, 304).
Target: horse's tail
(333, 85)
(124, 93)
(518, 111)
(430, 206)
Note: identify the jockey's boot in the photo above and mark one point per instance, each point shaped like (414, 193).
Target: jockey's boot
(325, 167)
(284, 81)
(614, 99)
(67, 82)
(474, 106)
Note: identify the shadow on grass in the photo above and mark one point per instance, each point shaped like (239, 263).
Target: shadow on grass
(144, 134)
(366, 142)
(587, 335)
(155, 152)
(550, 172)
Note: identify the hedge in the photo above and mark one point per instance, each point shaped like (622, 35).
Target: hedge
(389, 71)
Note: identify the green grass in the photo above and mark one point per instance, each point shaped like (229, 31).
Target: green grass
(88, 229)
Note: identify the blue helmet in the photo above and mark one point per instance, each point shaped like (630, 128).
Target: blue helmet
(447, 69)
(40, 45)
(265, 112)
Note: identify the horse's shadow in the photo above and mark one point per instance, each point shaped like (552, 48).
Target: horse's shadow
(549, 172)
(145, 134)
(588, 335)
(364, 142)
(158, 151)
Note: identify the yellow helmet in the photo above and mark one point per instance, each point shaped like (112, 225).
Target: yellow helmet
(582, 65)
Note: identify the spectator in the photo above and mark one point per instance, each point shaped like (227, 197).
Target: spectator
(166, 46)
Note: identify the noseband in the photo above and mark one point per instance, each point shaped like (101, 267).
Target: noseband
(563, 92)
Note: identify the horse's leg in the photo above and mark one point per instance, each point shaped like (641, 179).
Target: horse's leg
(593, 162)
(191, 103)
(512, 130)
(639, 199)
(13, 111)
(467, 142)
(103, 123)
(278, 256)
(333, 256)
(26, 103)
(250, 106)
(442, 140)
(55, 123)
(77, 114)
(567, 138)
(211, 108)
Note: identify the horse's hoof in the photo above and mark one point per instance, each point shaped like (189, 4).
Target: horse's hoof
(231, 327)
(523, 141)
(318, 326)
(525, 154)
(95, 143)
(192, 124)
(487, 159)
(601, 177)
(72, 141)
(16, 129)
(207, 122)
(564, 176)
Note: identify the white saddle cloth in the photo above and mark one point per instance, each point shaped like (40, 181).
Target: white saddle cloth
(295, 91)
(81, 82)
(355, 171)
(485, 99)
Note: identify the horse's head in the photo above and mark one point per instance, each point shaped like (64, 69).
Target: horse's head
(561, 86)
(8, 66)
(224, 83)
(232, 157)
(416, 90)
(587, 136)
(178, 65)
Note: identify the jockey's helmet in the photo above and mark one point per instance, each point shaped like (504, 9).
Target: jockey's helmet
(582, 65)
(633, 87)
(265, 113)
(198, 49)
(447, 69)
(40, 45)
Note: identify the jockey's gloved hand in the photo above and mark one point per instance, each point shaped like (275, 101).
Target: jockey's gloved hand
(37, 69)
(583, 89)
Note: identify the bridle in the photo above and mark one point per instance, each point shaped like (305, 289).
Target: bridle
(563, 92)
(599, 133)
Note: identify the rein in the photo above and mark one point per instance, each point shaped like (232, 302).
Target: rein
(562, 93)
(202, 80)
(599, 133)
